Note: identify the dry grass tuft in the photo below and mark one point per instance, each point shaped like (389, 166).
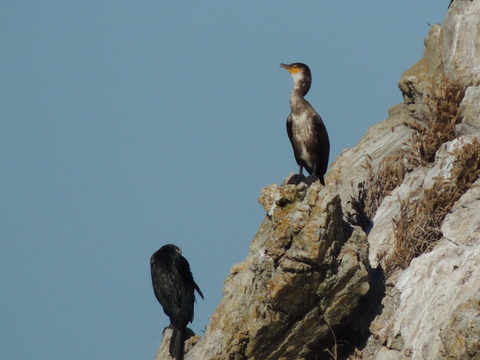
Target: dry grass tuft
(371, 192)
(361, 214)
(441, 116)
(417, 228)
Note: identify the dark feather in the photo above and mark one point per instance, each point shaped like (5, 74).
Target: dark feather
(176, 344)
(174, 288)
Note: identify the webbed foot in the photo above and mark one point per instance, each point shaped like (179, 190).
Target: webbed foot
(296, 179)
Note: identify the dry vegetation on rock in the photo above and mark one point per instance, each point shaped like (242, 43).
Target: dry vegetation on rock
(441, 115)
(418, 226)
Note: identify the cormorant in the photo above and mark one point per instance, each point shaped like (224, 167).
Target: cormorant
(174, 287)
(305, 127)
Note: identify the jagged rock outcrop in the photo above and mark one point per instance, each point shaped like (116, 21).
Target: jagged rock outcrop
(302, 266)
(304, 276)
(384, 261)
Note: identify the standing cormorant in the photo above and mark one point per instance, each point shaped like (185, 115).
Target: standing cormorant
(174, 287)
(305, 127)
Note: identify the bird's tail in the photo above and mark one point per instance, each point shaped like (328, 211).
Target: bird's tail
(176, 344)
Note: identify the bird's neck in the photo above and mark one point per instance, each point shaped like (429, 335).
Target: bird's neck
(297, 99)
(301, 84)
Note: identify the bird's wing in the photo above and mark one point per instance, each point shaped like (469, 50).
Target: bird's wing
(166, 289)
(183, 268)
(188, 286)
(289, 127)
(198, 290)
(323, 142)
(295, 145)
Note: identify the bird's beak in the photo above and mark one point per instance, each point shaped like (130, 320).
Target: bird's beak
(291, 69)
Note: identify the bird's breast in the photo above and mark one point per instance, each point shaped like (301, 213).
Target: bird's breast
(303, 137)
(302, 128)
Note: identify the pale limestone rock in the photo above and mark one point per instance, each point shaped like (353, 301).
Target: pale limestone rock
(307, 267)
(383, 140)
(448, 52)
(470, 112)
(463, 222)
(440, 282)
(460, 45)
(437, 314)
(432, 311)
(415, 83)
(381, 235)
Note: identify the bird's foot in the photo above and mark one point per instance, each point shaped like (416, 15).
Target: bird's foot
(296, 179)
(312, 178)
(309, 180)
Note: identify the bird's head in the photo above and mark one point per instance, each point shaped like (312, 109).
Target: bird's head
(170, 250)
(302, 77)
(174, 249)
(296, 68)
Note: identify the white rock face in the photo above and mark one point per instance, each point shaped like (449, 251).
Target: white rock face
(463, 222)
(381, 141)
(437, 287)
(432, 308)
(460, 46)
(470, 112)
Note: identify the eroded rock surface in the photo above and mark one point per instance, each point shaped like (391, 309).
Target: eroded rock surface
(302, 276)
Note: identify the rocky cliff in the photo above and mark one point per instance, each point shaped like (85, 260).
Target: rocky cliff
(384, 261)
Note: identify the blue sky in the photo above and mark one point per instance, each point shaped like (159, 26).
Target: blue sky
(129, 125)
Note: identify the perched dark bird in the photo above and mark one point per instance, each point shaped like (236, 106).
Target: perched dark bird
(305, 127)
(174, 287)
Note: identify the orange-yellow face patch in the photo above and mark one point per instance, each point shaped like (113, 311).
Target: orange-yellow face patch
(293, 70)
